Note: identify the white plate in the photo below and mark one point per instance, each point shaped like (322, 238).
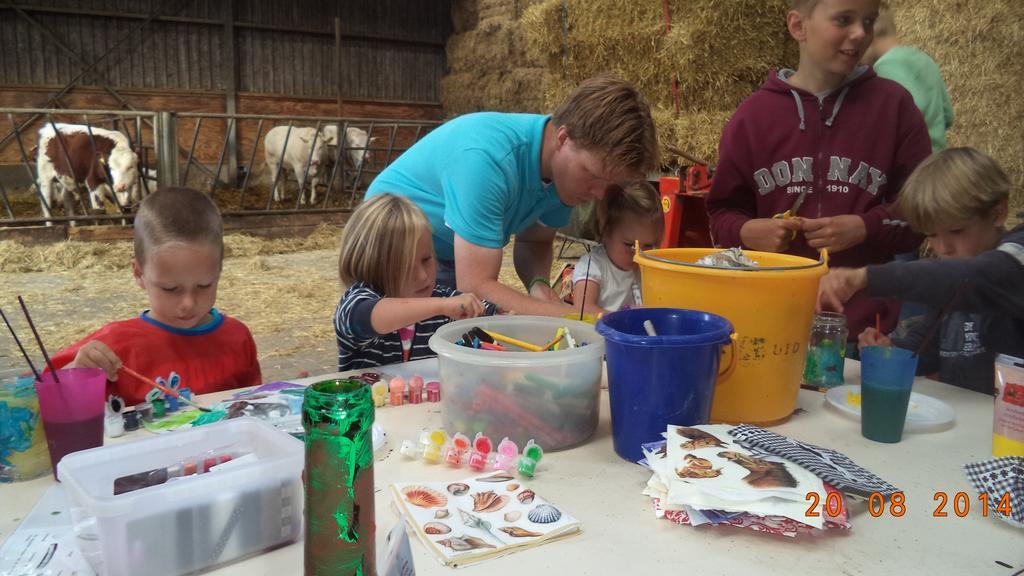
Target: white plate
(925, 414)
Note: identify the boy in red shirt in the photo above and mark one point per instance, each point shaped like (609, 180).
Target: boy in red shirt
(831, 128)
(179, 252)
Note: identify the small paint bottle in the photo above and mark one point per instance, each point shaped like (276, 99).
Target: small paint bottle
(481, 450)
(457, 448)
(397, 387)
(416, 389)
(411, 450)
(432, 453)
(159, 408)
(380, 393)
(145, 410)
(532, 453)
(506, 456)
(433, 391)
(171, 404)
(131, 419)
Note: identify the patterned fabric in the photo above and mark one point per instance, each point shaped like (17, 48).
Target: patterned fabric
(998, 477)
(833, 467)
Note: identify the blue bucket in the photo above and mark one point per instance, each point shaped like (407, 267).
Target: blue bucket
(654, 381)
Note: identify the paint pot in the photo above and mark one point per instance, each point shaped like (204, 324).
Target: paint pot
(771, 326)
(23, 453)
(654, 381)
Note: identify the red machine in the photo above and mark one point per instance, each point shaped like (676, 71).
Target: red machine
(686, 216)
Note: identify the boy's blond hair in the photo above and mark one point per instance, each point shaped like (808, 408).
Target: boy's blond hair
(378, 245)
(177, 215)
(635, 198)
(607, 115)
(952, 187)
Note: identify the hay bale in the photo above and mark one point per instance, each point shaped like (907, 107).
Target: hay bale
(697, 133)
(517, 90)
(496, 45)
(464, 15)
(980, 48)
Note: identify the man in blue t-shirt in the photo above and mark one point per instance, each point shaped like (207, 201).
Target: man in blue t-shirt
(483, 177)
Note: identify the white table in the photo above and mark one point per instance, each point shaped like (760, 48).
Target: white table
(621, 536)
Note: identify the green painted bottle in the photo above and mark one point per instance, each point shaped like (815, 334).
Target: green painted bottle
(337, 416)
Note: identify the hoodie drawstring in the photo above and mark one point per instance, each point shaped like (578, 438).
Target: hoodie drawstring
(838, 104)
(799, 109)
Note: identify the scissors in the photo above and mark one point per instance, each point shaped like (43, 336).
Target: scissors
(791, 213)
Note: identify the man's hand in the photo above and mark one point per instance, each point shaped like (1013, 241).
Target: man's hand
(96, 354)
(836, 233)
(838, 286)
(769, 234)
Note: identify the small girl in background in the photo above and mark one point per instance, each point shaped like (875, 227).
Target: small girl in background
(605, 279)
(392, 305)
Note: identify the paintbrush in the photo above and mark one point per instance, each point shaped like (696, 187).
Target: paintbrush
(165, 389)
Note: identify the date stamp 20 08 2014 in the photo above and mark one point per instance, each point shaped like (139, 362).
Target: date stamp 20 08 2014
(958, 505)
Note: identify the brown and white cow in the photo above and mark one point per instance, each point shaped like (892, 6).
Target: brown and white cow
(86, 167)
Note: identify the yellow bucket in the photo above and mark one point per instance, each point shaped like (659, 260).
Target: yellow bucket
(770, 307)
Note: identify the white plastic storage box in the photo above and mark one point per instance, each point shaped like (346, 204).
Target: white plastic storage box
(552, 397)
(188, 523)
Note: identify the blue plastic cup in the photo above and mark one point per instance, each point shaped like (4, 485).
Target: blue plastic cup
(886, 379)
(654, 381)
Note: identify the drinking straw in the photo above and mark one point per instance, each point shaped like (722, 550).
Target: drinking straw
(878, 324)
(649, 328)
(20, 347)
(38, 339)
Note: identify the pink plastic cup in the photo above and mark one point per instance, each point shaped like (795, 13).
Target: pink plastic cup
(72, 410)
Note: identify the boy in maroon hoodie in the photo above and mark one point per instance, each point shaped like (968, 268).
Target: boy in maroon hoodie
(832, 128)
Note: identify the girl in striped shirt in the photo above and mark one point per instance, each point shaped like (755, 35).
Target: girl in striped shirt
(392, 305)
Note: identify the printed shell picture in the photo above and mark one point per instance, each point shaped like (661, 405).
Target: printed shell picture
(517, 532)
(544, 514)
(424, 497)
(496, 477)
(442, 513)
(458, 488)
(513, 516)
(488, 502)
(463, 543)
(436, 528)
(526, 496)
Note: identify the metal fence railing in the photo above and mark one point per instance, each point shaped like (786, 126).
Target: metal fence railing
(57, 165)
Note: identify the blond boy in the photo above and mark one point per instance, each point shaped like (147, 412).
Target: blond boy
(958, 198)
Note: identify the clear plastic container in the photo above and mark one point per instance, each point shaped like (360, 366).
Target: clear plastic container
(552, 397)
(826, 350)
(188, 523)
